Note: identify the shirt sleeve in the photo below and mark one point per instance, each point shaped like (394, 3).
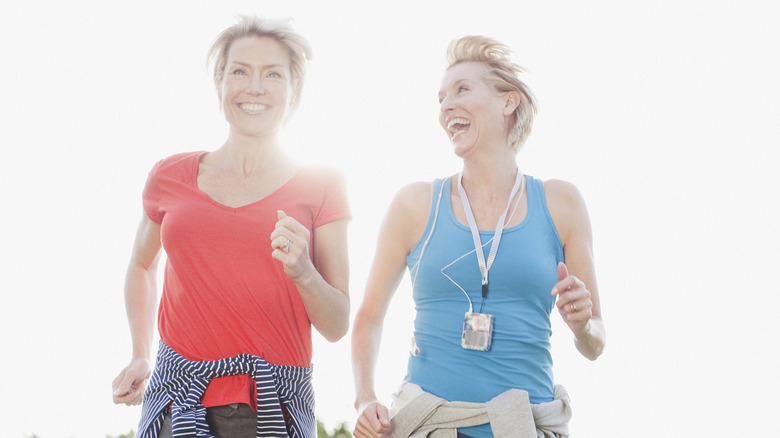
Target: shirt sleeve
(335, 203)
(152, 195)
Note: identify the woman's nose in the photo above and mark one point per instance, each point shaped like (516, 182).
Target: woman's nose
(256, 86)
(445, 104)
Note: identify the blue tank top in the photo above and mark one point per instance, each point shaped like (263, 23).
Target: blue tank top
(521, 278)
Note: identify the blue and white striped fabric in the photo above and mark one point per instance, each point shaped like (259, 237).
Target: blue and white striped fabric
(180, 383)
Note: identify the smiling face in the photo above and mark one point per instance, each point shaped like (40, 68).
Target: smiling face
(256, 87)
(471, 112)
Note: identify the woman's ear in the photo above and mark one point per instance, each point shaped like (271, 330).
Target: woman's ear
(511, 101)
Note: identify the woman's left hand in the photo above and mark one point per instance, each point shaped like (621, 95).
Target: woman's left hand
(290, 243)
(574, 302)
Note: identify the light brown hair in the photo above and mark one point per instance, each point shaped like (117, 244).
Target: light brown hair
(281, 31)
(502, 76)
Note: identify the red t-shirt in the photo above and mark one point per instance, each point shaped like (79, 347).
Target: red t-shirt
(223, 293)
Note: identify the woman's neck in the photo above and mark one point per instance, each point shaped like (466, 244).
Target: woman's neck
(247, 155)
(490, 179)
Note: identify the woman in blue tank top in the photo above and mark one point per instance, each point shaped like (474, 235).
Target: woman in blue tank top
(491, 252)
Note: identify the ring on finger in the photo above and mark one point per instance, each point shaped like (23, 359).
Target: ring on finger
(287, 246)
(573, 308)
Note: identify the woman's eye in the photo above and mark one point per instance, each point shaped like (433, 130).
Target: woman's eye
(462, 88)
(239, 71)
(274, 74)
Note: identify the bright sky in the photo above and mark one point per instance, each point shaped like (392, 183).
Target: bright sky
(665, 114)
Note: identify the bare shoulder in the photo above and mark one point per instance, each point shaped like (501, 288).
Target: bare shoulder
(407, 215)
(414, 197)
(562, 192)
(411, 206)
(566, 206)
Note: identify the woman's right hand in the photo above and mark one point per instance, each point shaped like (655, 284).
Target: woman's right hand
(129, 385)
(141, 306)
(373, 420)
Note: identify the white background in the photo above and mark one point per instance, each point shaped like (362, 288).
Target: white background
(665, 114)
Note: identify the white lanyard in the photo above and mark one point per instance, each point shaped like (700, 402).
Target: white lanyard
(485, 267)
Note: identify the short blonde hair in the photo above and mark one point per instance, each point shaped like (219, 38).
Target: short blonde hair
(502, 76)
(281, 31)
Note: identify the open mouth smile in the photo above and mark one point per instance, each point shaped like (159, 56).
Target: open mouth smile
(458, 126)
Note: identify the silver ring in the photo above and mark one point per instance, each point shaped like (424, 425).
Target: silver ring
(287, 246)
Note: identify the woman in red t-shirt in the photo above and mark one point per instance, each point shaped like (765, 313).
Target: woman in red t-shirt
(256, 244)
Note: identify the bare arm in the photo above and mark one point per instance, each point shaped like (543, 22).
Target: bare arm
(577, 289)
(323, 284)
(141, 307)
(401, 229)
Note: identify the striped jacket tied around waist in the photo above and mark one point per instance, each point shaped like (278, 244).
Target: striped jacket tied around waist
(181, 383)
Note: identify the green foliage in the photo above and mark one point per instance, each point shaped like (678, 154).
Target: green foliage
(130, 434)
(339, 432)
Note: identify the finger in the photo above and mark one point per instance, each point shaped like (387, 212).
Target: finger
(279, 255)
(373, 424)
(139, 398)
(136, 398)
(280, 241)
(281, 223)
(284, 229)
(570, 298)
(371, 418)
(380, 422)
(281, 235)
(289, 222)
(363, 430)
(288, 244)
(127, 391)
(122, 385)
(562, 273)
(578, 310)
(383, 416)
(359, 431)
(126, 398)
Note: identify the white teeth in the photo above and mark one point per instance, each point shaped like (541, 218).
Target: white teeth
(457, 121)
(455, 130)
(252, 107)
